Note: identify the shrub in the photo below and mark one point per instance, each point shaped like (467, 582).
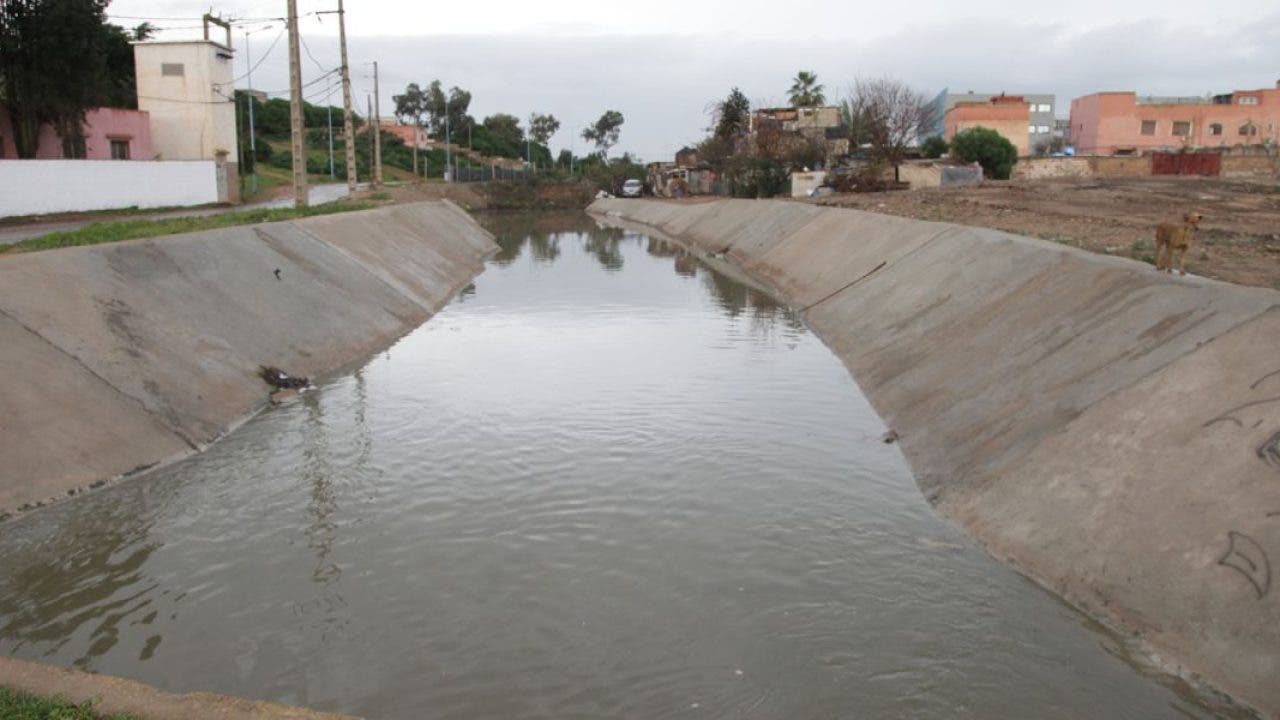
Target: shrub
(934, 147)
(988, 148)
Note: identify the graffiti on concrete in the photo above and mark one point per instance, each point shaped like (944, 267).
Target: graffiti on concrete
(1247, 557)
(1269, 451)
(1236, 414)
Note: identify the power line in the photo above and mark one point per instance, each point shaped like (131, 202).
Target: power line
(305, 86)
(233, 21)
(313, 57)
(260, 60)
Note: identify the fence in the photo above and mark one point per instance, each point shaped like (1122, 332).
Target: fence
(487, 173)
(1228, 165)
(38, 187)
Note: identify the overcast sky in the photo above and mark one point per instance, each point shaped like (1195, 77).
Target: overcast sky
(662, 62)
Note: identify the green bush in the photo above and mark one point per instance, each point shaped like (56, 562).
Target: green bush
(934, 147)
(988, 148)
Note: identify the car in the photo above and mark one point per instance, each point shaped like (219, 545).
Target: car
(632, 188)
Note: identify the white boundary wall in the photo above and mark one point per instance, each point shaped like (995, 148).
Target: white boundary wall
(37, 187)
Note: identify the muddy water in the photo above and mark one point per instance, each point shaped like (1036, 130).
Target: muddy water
(605, 482)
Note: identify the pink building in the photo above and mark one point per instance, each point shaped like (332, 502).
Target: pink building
(1121, 123)
(109, 134)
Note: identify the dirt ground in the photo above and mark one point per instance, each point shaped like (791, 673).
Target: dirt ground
(497, 196)
(1239, 240)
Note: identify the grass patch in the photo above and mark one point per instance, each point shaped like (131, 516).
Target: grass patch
(106, 232)
(16, 705)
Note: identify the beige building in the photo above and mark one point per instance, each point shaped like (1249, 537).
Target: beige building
(817, 124)
(186, 86)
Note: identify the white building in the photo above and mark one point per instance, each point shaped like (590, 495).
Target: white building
(186, 86)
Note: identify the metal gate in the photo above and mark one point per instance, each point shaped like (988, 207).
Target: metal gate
(1201, 163)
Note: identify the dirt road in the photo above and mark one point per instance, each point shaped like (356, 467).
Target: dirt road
(1239, 239)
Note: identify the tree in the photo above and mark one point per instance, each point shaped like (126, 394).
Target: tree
(604, 132)
(121, 85)
(731, 115)
(934, 147)
(891, 116)
(805, 90)
(447, 110)
(53, 65)
(412, 105)
(988, 148)
(506, 128)
(542, 127)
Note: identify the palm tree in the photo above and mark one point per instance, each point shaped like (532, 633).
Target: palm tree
(805, 91)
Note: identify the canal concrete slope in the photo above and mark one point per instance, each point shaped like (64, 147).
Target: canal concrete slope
(1110, 431)
(122, 356)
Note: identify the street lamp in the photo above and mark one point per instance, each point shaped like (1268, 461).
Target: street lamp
(253, 148)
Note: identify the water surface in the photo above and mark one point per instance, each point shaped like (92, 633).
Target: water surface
(606, 482)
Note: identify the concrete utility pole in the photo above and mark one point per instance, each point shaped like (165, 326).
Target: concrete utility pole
(253, 148)
(329, 107)
(377, 131)
(348, 125)
(368, 110)
(448, 145)
(298, 144)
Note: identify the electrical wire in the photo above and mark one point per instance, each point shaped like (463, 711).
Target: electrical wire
(261, 60)
(305, 85)
(303, 40)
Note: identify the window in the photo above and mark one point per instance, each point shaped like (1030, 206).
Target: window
(73, 147)
(1248, 129)
(1148, 127)
(1215, 129)
(1031, 129)
(1181, 128)
(1042, 129)
(172, 69)
(1248, 100)
(119, 149)
(1042, 107)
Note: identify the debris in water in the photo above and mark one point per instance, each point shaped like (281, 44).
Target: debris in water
(280, 379)
(277, 273)
(890, 437)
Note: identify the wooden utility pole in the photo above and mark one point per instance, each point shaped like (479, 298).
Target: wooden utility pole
(298, 144)
(377, 130)
(348, 126)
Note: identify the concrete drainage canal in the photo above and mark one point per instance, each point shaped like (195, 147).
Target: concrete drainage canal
(606, 481)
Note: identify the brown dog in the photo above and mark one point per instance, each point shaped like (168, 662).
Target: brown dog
(1176, 237)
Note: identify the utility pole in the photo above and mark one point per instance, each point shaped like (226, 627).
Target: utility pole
(448, 145)
(298, 144)
(253, 148)
(368, 109)
(348, 126)
(329, 107)
(377, 130)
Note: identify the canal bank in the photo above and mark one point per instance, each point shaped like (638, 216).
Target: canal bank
(1108, 431)
(125, 356)
(606, 481)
